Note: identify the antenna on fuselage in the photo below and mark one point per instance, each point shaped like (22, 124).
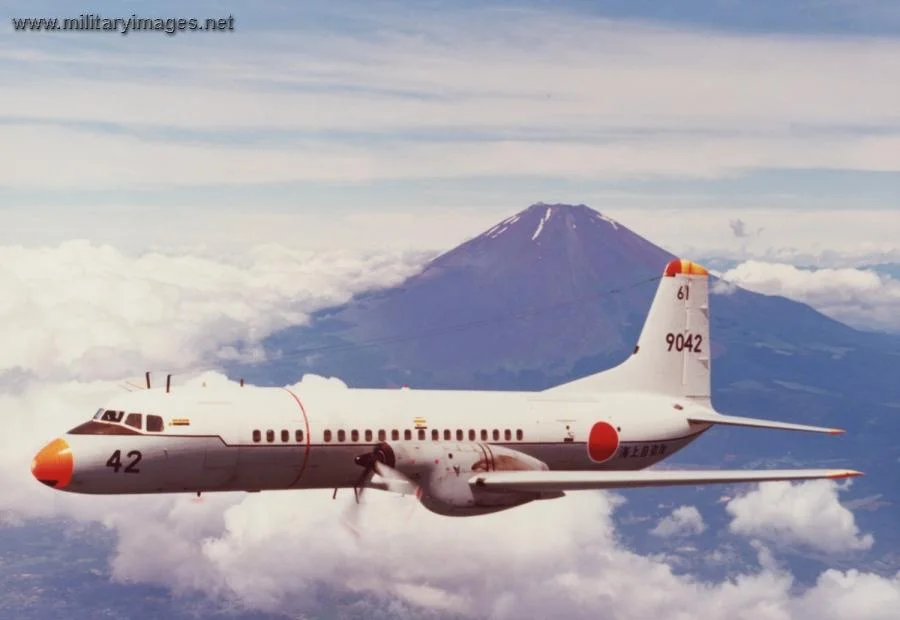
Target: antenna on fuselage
(168, 383)
(242, 382)
(147, 377)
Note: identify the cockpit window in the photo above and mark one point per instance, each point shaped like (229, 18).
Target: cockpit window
(99, 413)
(154, 424)
(134, 419)
(112, 416)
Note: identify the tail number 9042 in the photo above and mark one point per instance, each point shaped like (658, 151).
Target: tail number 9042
(680, 342)
(115, 461)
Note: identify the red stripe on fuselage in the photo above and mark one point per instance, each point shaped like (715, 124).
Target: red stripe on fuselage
(306, 425)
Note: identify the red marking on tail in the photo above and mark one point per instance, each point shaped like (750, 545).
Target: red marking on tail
(603, 441)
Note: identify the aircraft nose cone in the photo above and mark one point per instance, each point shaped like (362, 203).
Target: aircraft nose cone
(53, 464)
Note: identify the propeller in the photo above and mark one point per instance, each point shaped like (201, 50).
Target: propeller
(381, 461)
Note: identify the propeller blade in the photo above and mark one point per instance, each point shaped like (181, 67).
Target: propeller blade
(394, 481)
(389, 479)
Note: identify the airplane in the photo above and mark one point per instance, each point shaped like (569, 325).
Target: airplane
(461, 453)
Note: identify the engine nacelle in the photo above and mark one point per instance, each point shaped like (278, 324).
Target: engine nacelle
(443, 469)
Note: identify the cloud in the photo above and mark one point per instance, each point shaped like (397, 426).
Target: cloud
(807, 514)
(113, 160)
(88, 311)
(858, 297)
(279, 551)
(793, 235)
(738, 227)
(469, 94)
(289, 552)
(684, 521)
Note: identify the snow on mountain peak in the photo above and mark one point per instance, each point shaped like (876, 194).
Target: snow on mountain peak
(611, 221)
(540, 226)
(534, 224)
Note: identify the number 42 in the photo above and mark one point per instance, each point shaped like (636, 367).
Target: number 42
(115, 461)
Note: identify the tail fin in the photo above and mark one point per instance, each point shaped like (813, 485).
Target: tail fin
(672, 354)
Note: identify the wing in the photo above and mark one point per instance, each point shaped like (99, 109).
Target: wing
(540, 481)
(733, 420)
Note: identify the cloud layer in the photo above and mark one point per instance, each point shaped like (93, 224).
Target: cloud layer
(92, 311)
(290, 552)
(469, 94)
(858, 297)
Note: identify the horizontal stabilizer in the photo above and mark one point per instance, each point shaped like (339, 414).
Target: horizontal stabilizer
(542, 481)
(733, 420)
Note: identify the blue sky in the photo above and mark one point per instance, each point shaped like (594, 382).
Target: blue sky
(415, 107)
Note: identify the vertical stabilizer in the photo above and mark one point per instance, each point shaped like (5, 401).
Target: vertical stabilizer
(672, 355)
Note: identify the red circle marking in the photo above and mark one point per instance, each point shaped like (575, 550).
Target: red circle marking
(603, 441)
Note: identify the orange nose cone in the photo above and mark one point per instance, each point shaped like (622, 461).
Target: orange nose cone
(53, 464)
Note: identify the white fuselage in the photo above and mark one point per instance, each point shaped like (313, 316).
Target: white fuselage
(460, 452)
(252, 438)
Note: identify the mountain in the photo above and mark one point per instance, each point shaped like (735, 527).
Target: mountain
(554, 292)
(559, 291)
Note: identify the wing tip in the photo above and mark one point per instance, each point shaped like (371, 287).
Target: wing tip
(845, 473)
(836, 431)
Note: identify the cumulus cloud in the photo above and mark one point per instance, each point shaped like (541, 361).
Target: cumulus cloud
(684, 521)
(91, 311)
(807, 514)
(282, 551)
(858, 297)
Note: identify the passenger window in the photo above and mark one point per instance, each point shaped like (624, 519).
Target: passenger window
(327, 435)
(471, 434)
(298, 436)
(154, 424)
(342, 436)
(407, 434)
(519, 434)
(459, 434)
(368, 435)
(435, 434)
(256, 436)
(483, 435)
(448, 434)
(421, 434)
(134, 419)
(507, 434)
(496, 434)
(270, 436)
(285, 436)
(382, 435)
(354, 435)
(395, 435)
